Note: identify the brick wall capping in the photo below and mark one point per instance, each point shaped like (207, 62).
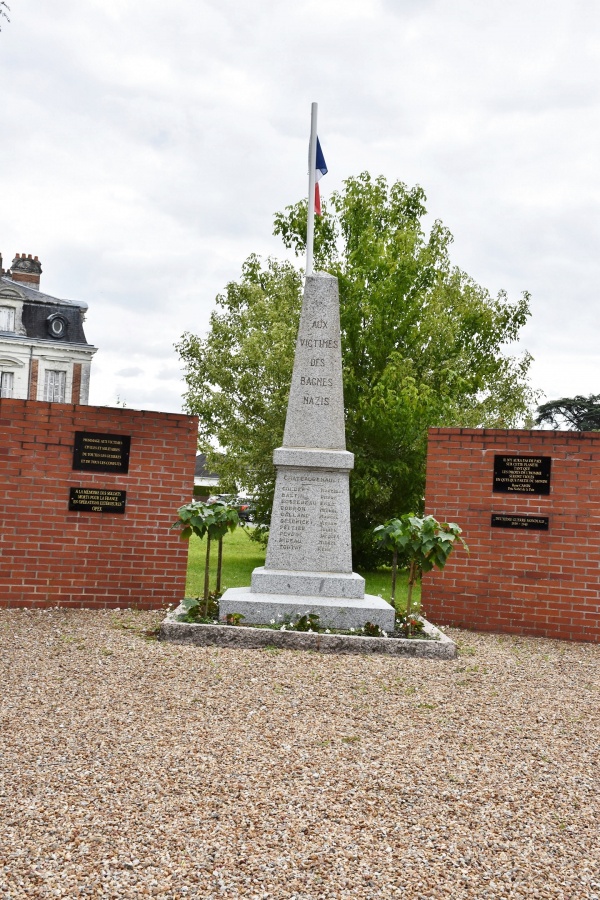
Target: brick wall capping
(514, 432)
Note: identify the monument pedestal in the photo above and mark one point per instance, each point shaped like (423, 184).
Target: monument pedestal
(308, 568)
(341, 613)
(315, 584)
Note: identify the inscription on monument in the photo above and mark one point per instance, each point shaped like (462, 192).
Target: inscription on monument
(522, 474)
(97, 500)
(315, 414)
(315, 401)
(310, 505)
(315, 362)
(101, 452)
(316, 382)
(318, 344)
(534, 523)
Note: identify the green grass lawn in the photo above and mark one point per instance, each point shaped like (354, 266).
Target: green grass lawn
(241, 556)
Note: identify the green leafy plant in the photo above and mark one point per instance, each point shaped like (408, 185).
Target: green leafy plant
(372, 630)
(308, 622)
(191, 609)
(410, 625)
(421, 543)
(233, 618)
(212, 520)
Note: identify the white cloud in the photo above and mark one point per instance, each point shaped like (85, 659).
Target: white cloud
(132, 372)
(146, 147)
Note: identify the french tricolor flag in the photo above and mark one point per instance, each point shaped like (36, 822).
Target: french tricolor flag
(316, 170)
(320, 170)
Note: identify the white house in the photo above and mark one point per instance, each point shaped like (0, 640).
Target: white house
(205, 482)
(44, 354)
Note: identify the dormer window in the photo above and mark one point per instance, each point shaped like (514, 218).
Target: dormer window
(7, 318)
(56, 325)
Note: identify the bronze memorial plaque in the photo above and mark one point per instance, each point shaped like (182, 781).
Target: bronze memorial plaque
(101, 452)
(522, 474)
(102, 500)
(535, 523)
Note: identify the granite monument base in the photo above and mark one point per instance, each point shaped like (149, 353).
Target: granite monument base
(341, 613)
(311, 584)
(438, 647)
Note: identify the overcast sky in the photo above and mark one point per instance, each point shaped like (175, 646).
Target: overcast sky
(146, 145)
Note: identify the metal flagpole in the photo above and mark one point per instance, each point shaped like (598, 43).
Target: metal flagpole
(312, 168)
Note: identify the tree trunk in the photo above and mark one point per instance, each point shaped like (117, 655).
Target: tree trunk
(219, 565)
(411, 581)
(206, 574)
(394, 573)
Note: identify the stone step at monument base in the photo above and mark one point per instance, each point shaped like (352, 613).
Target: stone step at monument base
(334, 612)
(317, 584)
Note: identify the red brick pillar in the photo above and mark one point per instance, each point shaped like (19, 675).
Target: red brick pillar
(76, 388)
(33, 379)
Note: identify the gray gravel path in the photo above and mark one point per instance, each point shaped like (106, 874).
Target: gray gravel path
(130, 768)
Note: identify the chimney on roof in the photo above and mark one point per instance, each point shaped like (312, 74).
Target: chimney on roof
(26, 269)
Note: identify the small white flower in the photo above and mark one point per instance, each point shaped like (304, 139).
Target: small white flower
(282, 628)
(327, 631)
(384, 633)
(352, 629)
(272, 621)
(310, 631)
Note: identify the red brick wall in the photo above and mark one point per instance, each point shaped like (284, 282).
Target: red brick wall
(520, 581)
(50, 556)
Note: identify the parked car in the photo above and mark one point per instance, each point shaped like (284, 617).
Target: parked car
(245, 509)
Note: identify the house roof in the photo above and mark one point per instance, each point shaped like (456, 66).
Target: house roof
(30, 293)
(201, 471)
(37, 310)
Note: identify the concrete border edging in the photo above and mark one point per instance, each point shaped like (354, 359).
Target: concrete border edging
(245, 637)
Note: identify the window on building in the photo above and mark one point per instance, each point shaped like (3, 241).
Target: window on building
(56, 325)
(7, 318)
(7, 381)
(54, 386)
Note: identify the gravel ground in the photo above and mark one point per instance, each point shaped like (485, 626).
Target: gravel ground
(130, 768)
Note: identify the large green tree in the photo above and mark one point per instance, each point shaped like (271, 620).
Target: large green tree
(423, 345)
(577, 413)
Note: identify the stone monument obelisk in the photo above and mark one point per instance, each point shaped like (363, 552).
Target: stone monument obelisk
(308, 568)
